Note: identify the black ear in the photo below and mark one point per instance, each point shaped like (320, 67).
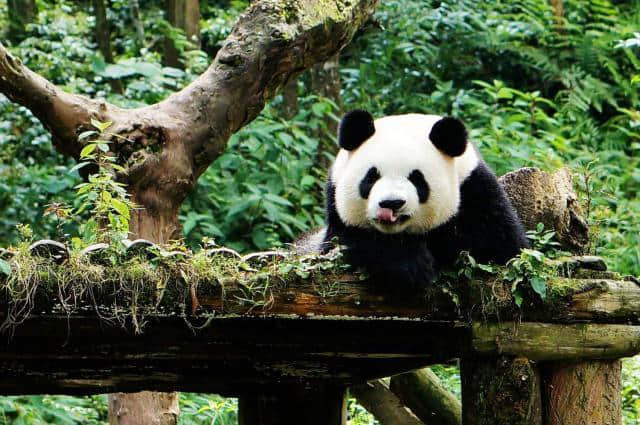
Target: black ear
(450, 136)
(356, 127)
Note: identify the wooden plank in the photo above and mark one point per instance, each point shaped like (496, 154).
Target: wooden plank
(231, 355)
(547, 342)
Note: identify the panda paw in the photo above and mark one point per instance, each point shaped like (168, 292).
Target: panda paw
(414, 271)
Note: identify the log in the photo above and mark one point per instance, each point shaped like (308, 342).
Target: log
(323, 405)
(549, 342)
(585, 393)
(500, 390)
(423, 393)
(227, 355)
(383, 404)
(548, 198)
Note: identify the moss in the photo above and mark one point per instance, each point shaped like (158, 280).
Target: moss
(128, 289)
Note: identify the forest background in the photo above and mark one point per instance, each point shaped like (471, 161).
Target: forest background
(539, 83)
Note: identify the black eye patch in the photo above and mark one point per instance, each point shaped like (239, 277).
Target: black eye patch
(368, 181)
(417, 178)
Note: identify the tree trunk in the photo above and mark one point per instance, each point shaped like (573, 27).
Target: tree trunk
(184, 15)
(21, 13)
(583, 393)
(325, 82)
(500, 390)
(103, 37)
(134, 5)
(294, 406)
(143, 408)
(387, 408)
(146, 407)
(423, 393)
(290, 99)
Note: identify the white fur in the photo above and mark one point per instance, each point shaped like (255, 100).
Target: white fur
(400, 145)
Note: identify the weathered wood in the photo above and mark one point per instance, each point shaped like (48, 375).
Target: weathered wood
(383, 404)
(423, 393)
(321, 405)
(500, 390)
(548, 198)
(143, 408)
(582, 393)
(231, 355)
(548, 342)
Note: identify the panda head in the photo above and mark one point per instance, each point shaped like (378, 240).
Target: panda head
(400, 174)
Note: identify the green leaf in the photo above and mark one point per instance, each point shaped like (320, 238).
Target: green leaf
(504, 93)
(539, 286)
(518, 298)
(5, 267)
(116, 71)
(102, 126)
(78, 166)
(307, 181)
(86, 134)
(88, 150)
(120, 207)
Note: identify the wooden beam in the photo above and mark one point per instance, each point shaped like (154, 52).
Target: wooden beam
(231, 355)
(322, 405)
(384, 405)
(548, 342)
(500, 390)
(425, 395)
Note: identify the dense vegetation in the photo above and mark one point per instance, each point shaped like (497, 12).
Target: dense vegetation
(537, 87)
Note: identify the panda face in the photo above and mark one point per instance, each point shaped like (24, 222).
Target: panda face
(396, 179)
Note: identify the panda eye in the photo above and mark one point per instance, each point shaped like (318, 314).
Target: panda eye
(368, 181)
(417, 178)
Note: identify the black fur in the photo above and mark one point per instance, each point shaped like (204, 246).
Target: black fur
(486, 225)
(450, 136)
(368, 181)
(400, 259)
(417, 178)
(355, 127)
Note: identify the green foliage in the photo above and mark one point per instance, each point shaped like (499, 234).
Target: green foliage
(266, 188)
(106, 200)
(534, 90)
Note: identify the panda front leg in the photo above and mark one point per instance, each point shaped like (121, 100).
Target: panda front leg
(403, 265)
(488, 223)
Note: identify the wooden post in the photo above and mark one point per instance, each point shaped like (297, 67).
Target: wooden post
(325, 405)
(586, 393)
(500, 390)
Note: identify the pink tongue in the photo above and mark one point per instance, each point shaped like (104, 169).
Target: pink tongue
(386, 214)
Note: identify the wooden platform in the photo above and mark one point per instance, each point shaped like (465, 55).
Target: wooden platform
(306, 336)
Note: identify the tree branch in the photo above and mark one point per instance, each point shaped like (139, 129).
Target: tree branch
(165, 147)
(272, 41)
(60, 112)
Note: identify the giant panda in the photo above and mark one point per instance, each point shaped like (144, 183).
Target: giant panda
(407, 193)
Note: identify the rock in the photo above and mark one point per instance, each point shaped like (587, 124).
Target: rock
(262, 258)
(140, 247)
(223, 252)
(96, 253)
(5, 254)
(47, 248)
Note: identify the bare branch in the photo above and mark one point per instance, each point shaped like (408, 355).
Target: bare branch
(60, 112)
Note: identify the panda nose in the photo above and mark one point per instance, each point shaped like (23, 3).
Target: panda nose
(393, 204)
